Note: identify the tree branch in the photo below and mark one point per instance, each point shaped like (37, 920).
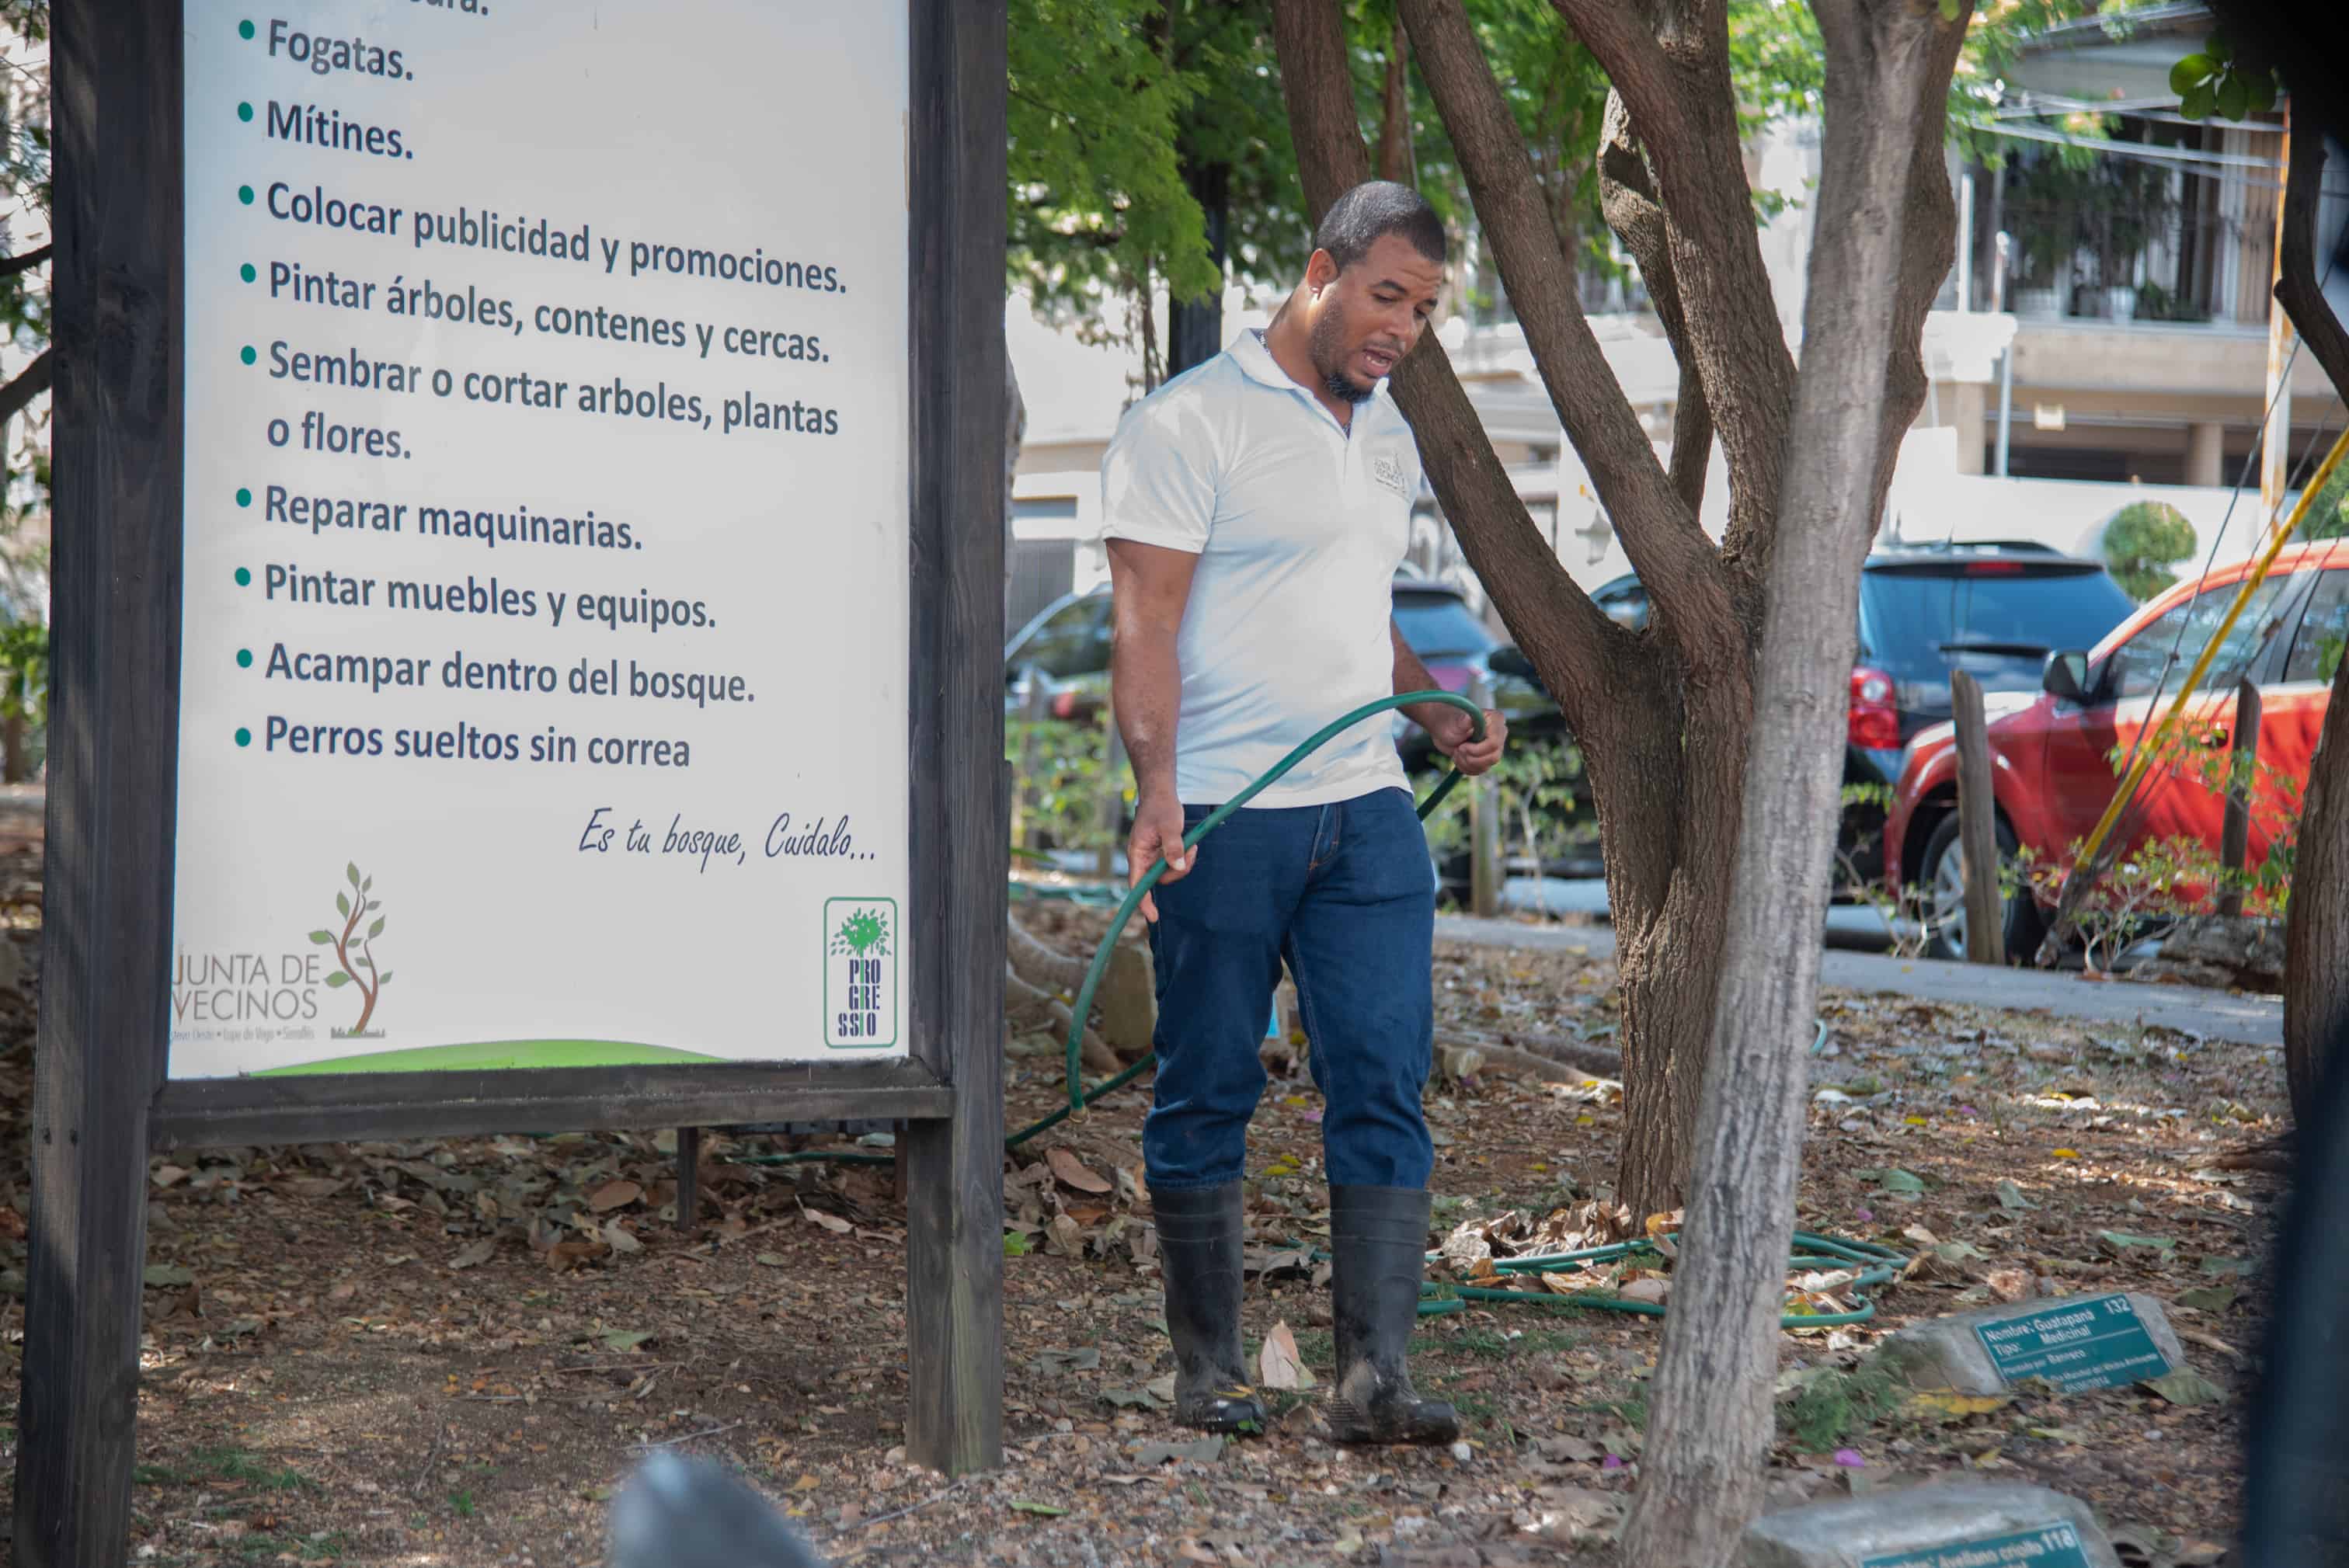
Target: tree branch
(1626, 47)
(1395, 162)
(1658, 531)
(11, 265)
(1692, 439)
(1674, 82)
(28, 384)
(1928, 220)
(2298, 289)
(1627, 197)
(1572, 644)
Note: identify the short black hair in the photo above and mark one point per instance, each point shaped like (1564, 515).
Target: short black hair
(1376, 208)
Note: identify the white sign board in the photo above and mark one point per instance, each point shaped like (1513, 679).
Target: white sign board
(543, 682)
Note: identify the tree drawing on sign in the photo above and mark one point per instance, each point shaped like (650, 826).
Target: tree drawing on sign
(353, 951)
(863, 934)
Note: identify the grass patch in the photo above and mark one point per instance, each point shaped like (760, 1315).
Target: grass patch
(1499, 1347)
(225, 1464)
(1836, 1406)
(266, 1547)
(462, 1501)
(1632, 1410)
(1279, 1402)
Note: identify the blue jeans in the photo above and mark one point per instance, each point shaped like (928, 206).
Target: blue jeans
(1345, 894)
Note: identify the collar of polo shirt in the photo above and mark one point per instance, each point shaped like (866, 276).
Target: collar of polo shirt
(1257, 363)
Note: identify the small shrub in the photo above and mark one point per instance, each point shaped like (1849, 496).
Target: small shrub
(2141, 541)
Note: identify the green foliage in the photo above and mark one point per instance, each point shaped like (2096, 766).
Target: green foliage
(228, 1464)
(1837, 1406)
(1096, 203)
(2220, 80)
(2141, 541)
(2328, 510)
(24, 672)
(1535, 782)
(1057, 782)
(2065, 200)
(1121, 109)
(1911, 904)
(1535, 787)
(2170, 878)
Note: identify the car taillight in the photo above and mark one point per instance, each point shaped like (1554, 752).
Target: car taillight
(1875, 722)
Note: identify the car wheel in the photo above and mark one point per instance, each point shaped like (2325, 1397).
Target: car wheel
(1942, 882)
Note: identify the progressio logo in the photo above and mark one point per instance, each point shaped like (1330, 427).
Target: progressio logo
(354, 950)
(860, 973)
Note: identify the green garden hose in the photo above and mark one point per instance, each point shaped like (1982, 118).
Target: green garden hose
(1079, 1095)
(1878, 1264)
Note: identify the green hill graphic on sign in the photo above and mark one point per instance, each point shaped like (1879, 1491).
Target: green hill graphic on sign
(495, 1054)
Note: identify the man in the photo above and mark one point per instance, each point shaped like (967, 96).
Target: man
(1256, 510)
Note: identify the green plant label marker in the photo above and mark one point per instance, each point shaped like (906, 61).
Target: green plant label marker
(860, 973)
(2056, 1545)
(2084, 1344)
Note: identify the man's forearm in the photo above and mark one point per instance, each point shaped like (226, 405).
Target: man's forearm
(1439, 720)
(1147, 694)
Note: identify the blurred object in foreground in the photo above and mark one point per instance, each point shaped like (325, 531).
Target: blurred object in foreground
(684, 1513)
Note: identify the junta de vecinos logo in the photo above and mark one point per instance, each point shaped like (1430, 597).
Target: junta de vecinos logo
(288, 993)
(354, 944)
(860, 973)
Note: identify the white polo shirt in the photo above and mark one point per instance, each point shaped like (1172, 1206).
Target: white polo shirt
(1299, 525)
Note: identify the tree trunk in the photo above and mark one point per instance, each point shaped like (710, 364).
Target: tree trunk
(1666, 814)
(1395, 162)
(1194, 328)
(2316, 930)
(1888, 64)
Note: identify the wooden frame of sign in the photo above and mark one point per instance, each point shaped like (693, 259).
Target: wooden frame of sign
(102, 1101)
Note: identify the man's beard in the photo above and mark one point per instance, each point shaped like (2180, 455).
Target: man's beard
(1328, 336)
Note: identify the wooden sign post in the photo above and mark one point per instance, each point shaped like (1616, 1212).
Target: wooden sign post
(527, 596)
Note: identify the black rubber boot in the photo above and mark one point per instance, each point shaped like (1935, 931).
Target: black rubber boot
(1199, 1252)
(1378, 1244)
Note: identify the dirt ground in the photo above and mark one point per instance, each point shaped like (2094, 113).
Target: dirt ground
(452, 1352)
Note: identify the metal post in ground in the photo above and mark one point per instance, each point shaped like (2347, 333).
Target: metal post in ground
(1977, 824)
(2235, 836)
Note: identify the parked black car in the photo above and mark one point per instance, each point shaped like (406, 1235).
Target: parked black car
(1993, 609)
(1064, 652)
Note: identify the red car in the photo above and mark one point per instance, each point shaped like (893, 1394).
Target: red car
(2050, 753)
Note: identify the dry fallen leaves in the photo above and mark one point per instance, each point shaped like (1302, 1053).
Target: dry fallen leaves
(1278, 1365)
(1074, 1172)
(614, 1195)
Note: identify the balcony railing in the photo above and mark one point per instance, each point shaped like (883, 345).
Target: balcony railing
(2130, 240)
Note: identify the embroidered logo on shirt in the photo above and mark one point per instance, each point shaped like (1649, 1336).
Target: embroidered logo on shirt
(1387, 469)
